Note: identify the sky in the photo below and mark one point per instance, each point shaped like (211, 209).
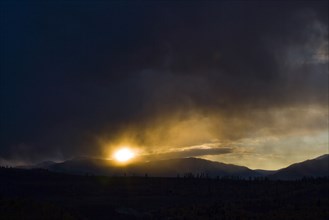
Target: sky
(241, 82)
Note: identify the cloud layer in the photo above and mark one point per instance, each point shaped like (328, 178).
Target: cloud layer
(81, 79)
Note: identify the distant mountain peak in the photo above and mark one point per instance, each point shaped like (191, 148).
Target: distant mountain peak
(324, 156)
(317, 167)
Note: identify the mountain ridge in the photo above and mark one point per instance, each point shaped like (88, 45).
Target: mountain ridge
(316, 167)
(191, 166)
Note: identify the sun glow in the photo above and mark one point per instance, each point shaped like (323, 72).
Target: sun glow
(124, 155)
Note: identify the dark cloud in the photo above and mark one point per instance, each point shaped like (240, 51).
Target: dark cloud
(72, 73)
(196, 152)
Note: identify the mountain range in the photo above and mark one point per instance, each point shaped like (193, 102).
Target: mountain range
(318, 167)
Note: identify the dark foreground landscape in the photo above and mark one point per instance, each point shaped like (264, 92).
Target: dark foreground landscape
(42, 194)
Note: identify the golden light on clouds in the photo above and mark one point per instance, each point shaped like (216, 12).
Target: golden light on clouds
(252, 138)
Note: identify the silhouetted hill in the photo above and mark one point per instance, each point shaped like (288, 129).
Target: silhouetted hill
(85, 165)
(160, 168)
(42, 165)
(317, 167)
(191, 166)
(265, 172)
(196, 167)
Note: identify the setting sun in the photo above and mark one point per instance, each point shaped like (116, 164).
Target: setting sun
(124, 155)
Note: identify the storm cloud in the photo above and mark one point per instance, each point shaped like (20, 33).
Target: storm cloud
(79, 78)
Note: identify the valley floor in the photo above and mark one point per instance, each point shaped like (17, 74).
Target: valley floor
(40, 194)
